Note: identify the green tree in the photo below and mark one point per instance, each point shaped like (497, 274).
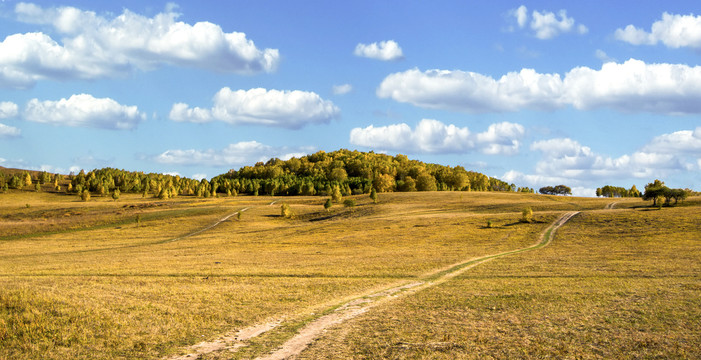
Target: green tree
(426, 182)
(349, 203)
(328, 204)
(85, 195)
(655, 191)
(527, 215)
(373, 196)
(115, 194)
(16, 182)
(336, 194)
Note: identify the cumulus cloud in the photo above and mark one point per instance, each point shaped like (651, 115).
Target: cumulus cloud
(279, 108)
(632, 86)
(672, 30)
(546, 24)
(84, 110)
(342, 89)
(384, 50)
(433, 136)
(240, 153)
(94, 46)
(8, 109)
(566, 161)
(679, 142)
(9, 131)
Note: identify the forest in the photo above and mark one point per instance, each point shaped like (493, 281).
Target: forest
(351, 172)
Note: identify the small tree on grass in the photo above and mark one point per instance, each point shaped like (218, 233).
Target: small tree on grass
(373, 195)
(85, 195)
(328, 204)
(285, 211)
(527, 215)
(336, 194)
(115, 194)
(349, 203)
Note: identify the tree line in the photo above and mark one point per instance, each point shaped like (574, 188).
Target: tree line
(321, 173)
(354, 172)
(617, 191)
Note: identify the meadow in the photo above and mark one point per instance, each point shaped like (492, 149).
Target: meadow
(146, 278)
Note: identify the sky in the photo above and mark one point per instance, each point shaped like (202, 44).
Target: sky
(535, 93)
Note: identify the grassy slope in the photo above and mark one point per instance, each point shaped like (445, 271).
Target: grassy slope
(98, 286)
(614, 284)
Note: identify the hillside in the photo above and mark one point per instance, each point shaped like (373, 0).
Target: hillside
(354, 172)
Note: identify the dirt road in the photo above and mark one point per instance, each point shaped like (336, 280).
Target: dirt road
(292, 347)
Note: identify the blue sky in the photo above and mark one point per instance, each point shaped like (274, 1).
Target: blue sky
(535, 93)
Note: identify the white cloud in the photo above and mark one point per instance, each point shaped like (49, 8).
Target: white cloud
(632, 86)
(473, 92)
(8, 109)
(199, 176)
(384, 50)
(94, 46)
(521, 15)
(566, 161)
(84, 110)
(501, 139)
(279, 108)
(679, 142)
(433, 136)
(546, 24)
(601, 55)
(9, 131)
(672, 30)
(342, 89)
(240, 153)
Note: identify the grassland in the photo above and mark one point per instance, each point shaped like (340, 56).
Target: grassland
(86, 280)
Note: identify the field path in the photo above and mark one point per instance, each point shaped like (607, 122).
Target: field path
(610, 206)
(208, 227)
(296, 344)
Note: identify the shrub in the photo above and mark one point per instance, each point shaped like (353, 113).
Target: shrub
(85, 195)
(285, 211)
(349, 203)
(328, 204)
(527, 215)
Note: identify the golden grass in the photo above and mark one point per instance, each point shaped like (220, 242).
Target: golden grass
(613, 284)
(93, 284)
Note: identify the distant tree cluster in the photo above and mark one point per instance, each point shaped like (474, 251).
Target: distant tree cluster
(352, 172)
(617, 191)
(656, 191)
(114, 182)
(555, 190)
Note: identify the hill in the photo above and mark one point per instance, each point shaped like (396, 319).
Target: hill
(353, 172)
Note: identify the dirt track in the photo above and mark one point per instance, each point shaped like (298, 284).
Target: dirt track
(295, 345)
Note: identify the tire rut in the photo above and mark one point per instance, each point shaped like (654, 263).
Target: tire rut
(349, 310)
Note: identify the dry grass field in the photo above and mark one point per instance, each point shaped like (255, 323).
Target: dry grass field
(87, 280)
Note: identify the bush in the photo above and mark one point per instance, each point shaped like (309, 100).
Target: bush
(285, 211)
(489, 224)
(527, 215)
(349, 202)
(85, 195)
(328, 204)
